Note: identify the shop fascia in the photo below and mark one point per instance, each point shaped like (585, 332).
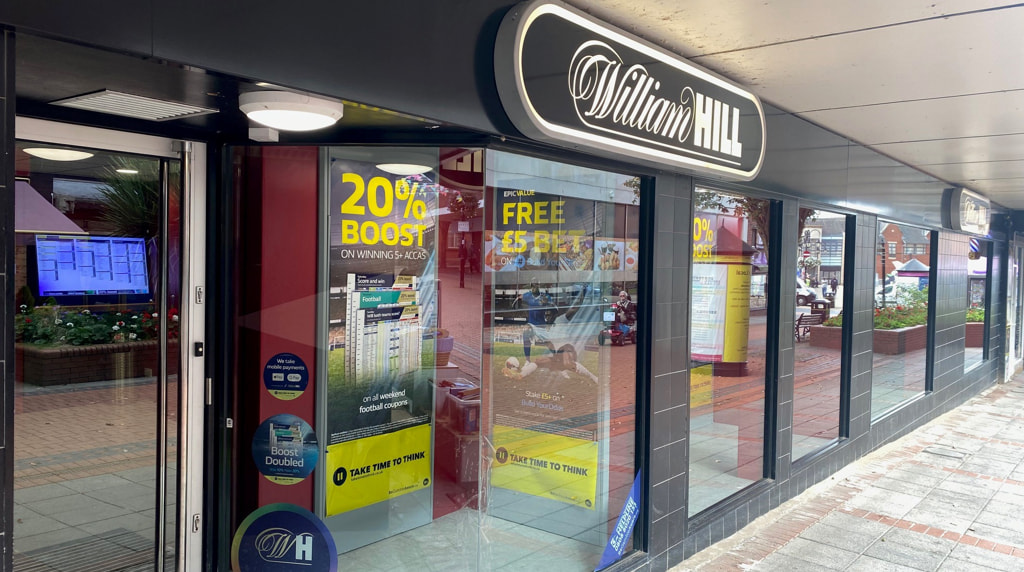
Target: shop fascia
(573, 81)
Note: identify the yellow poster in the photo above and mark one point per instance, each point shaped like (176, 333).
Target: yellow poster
(737, 314)
(545, 465)
(373, 469)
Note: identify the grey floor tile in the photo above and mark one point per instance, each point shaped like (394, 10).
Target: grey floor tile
(970, 486)
(30, 524)
(840, 538)
(870, 564)
(48, 539)
(826, 556)
(41, 492)
(998, 534)
(856, 525)
(989, 558)
(911, 549)
(884, 501)
(88, 484)
(779, 561)
(953, 565)
(97, 511)
(904, 486)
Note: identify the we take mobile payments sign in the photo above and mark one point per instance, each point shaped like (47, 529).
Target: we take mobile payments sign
(285, 376)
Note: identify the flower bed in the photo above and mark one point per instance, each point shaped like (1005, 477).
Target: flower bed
(61, 365)
(61, 345)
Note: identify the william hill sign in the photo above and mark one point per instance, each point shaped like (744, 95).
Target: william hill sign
(568, 79)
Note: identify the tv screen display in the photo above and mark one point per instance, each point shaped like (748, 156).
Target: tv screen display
(91, 265)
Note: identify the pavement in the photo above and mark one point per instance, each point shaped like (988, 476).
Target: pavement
(946, 497)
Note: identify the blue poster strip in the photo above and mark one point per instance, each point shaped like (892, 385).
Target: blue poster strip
(623, 527)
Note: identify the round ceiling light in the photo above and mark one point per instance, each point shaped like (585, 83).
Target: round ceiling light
(56, 154)
(403, 169)
(288, 111)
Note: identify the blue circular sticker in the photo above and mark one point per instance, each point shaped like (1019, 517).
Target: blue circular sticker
(285, 449)
(283, 537)
(285, 376)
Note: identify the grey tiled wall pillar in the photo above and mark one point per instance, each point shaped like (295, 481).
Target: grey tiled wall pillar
(862, 280)
(950, 286)
(786, 265)
(7, 290)
(670, 380)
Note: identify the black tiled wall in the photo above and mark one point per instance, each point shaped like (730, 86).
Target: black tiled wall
(674, 536)
(7, 290)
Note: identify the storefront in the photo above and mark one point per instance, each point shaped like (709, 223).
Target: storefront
(529, 304)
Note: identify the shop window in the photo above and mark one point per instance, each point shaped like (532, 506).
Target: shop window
(977, 303)
(901, 319)
(560, 277)
(401, 423)
(728, 331)
(818, 332)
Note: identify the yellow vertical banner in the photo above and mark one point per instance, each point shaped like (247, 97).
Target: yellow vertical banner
(737, 313)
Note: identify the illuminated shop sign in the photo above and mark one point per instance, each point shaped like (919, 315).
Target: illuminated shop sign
(566, 78)
(967, 211)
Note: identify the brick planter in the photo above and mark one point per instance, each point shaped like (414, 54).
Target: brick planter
(902, 340)
(975, 334)
(889, 342)
(79, 364)
(827, 337)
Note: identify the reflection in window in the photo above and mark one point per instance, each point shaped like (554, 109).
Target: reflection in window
(901, 316)
(977, 278)
(728, 332)
(818, 334)
(561, 255)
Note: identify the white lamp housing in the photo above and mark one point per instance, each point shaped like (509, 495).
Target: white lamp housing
(288, 111)
(57, 154)
(403, 169)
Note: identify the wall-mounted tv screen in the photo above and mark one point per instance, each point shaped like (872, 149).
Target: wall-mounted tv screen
(68, 265)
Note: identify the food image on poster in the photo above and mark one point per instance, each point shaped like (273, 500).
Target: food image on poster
(285, 376)
(632, 258)
(609, 254)
(285, 449)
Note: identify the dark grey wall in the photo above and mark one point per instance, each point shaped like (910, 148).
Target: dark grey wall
(673, 535)
(431, 59)
(7, 293)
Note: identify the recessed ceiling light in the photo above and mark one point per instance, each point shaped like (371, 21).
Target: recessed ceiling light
(403, 169)
(54, 154)
(128, 171)
(288, 111)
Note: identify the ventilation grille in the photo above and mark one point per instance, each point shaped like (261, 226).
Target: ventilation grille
(127, 105)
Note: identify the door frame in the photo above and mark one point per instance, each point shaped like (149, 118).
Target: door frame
(192, 386)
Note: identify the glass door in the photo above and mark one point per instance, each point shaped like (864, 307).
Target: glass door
(99, 257)
(1014, 310)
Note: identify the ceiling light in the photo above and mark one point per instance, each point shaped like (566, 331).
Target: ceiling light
(290, 111)
(54, 154)
(403, 169)
(127, 171)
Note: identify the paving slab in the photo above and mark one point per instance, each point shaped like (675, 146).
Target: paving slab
(949, 496)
